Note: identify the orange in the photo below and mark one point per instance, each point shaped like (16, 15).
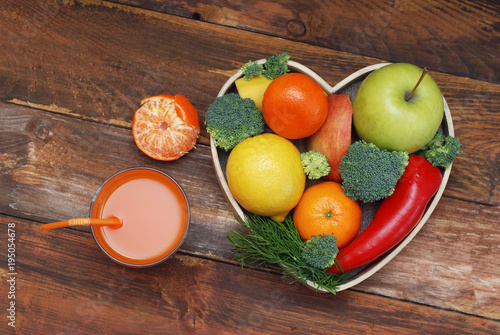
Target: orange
(294, 106)
(165, 127)
(325, 209)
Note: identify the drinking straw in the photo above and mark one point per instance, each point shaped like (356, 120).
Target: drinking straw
(83, 221)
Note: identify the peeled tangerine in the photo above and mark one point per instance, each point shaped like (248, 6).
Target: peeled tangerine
(166, 127)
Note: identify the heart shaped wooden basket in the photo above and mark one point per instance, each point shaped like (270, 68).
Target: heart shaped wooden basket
(347, 86)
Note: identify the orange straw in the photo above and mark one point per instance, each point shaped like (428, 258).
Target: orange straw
(83, 221)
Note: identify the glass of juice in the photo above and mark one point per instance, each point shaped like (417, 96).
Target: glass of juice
(155, 214)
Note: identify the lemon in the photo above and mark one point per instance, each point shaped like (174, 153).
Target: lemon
(265, 175)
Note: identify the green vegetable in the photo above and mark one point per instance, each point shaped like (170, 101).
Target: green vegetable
(278, 246)
(252, 69)
(315, 164)
(276, 65)
(231, 119)
(320, 251)
(370, 174)
(441, 150)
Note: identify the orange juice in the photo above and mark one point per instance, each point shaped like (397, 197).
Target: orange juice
(155, 215)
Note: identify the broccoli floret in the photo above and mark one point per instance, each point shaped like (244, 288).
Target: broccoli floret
(370, 174)
(315, 164)
(320, 251)
(252, 69)
(230, 119)
(441, 150)
(276, 65)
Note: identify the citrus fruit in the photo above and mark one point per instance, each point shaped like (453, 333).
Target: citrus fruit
(294, 106)
(325, 209)
(165, 127)
(265, 175)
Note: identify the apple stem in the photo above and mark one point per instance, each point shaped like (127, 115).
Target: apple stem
(416, 85)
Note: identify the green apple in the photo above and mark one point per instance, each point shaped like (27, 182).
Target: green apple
(398, 107)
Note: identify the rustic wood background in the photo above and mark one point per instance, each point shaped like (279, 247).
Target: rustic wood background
(72, 74)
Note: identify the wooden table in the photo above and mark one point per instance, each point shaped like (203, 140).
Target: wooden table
(72, 73)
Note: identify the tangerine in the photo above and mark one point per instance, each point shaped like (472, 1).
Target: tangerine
(166, 127)
(294, 106)
(325, 209)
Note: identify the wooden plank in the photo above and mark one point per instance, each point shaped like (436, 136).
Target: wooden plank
(52, 165)
(124, 54)
(476, 120)
(64, 285)
(452, 36)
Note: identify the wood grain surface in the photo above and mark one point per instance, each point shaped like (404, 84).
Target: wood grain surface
(73, 289)
(447, 36)
(72, 74)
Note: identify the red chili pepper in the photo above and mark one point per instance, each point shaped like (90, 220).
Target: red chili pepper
(396, 217)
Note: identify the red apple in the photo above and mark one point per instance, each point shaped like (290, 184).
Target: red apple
(334, 137)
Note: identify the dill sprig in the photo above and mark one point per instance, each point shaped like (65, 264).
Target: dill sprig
(278, 246)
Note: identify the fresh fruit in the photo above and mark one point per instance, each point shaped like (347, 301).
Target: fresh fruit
(294, 106)
(387, 113)
(265, 175)
(324, 209)
(253, 88)
(334, 137)
(165, 127)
